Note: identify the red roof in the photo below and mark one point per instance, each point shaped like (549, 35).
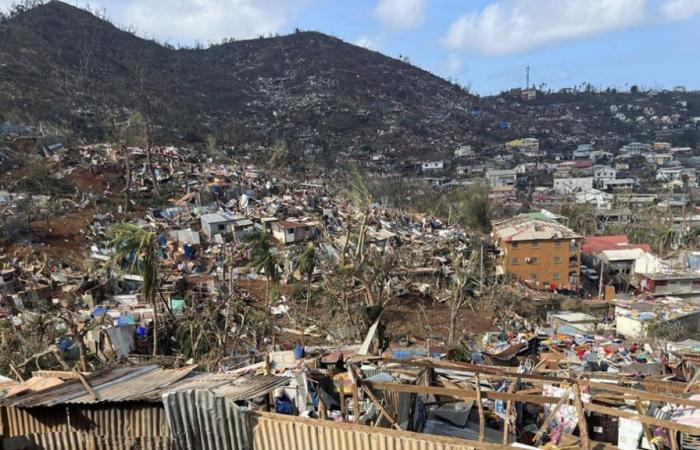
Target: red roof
(597, 244)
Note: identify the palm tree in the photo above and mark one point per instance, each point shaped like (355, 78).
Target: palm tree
(260, 245)
(306, 265)
(139, 246)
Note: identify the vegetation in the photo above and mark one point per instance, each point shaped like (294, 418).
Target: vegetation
(137, 249)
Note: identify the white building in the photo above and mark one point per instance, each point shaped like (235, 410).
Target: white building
(498, 178)
(601, 200)
(601, 173)
(566, 186)
(427, 166)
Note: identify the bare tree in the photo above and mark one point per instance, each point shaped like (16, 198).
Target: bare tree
(465, 275)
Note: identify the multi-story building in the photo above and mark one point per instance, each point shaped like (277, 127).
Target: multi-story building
(525, 145)
(544, 254)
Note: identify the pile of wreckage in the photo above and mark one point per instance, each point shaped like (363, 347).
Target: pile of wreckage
(339, 398)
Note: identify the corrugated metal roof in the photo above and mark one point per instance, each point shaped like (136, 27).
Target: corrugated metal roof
(147, 383)
(73, 388)
(142, 385)
(202, 420)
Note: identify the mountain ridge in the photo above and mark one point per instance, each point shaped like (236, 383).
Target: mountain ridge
(64, 65)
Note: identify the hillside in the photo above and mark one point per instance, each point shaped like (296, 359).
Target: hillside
(62, 65)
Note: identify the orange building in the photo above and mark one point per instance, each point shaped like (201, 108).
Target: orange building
(544, 254)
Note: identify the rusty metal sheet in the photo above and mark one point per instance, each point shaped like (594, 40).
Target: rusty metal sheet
(202, 420)
(276, 432)
(82, 441)
(123, 420)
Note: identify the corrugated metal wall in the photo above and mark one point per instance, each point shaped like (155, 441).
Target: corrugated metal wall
(201, 420)
(82, 441)
(112, 420)
(274, 432)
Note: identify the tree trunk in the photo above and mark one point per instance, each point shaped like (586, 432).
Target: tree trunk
(149, 160)
(306, 308)
(155, 327)
(453, 325)
(127, 187)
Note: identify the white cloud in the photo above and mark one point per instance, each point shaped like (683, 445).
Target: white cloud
(453, 64)
(206, 20)
(676, 10)
(401, 14)
(366, 42)
(512, 26)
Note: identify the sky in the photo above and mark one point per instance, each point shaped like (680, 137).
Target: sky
(483, 44)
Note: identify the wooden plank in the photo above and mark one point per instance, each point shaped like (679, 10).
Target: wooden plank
(383, 410)
(550, 416)
(581, 413)
(539, 399)
(509, 412)
(87, 386)
(492, 372)
(343, 407)
(356, 403)
(693, 380)
(641, 418)
(645, 427)
(480, 406)
(462, 393)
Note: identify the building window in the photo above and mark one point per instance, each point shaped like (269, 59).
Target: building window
(532, 260)
(514, 260)
(557, 259)
(556, 276)
(557, 243)
(533, 276)
(515, 245)
(221, 227)
(535, 244)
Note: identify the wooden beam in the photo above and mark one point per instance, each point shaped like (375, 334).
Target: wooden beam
(509, 412)
(383, 410)
(550, 416)
(693, 380)
(85, 383)
(480, 406)
(537, 399)
(492, 372)
(462, 393)
(641, 418)
(647, 432)
(355, 402)
(581, 413)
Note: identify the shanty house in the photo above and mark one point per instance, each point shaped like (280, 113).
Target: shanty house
(216, 223)
(545, 254)
(288, 232)
(120, 408)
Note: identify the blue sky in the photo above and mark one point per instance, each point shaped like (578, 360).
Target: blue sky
(485, 44)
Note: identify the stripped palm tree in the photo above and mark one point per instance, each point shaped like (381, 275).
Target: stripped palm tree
(260, 245)
(139, 246)
(306, 265)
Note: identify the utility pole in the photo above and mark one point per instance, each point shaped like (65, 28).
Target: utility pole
(481, 269)
(600, 280)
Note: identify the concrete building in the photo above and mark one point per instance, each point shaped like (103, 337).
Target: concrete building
(428, 166)
(499, 178)
(525, 145)
(544, 254)
(288, 232)
(639, 318)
